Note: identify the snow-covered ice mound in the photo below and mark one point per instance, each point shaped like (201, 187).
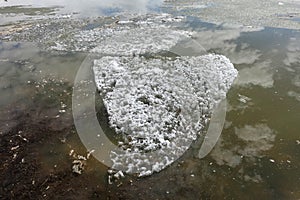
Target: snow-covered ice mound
(159, 106)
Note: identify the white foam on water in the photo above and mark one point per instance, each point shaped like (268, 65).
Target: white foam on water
(159, 106)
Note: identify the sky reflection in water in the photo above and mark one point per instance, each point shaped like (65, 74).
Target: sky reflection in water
(93, 7)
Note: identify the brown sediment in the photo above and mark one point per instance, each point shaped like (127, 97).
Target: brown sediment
(25, 130)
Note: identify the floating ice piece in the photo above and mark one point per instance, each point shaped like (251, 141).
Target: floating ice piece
(159, 106)
(243, 98)
(78, 166)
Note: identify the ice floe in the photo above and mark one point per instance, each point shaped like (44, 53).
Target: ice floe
(159, 106)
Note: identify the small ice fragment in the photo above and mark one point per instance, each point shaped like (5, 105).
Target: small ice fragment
(71, 152)
(192, 175)
(89, 153)
(272, 161)
(288, 161)
(297, 142)
(78, 166)
(25, 139)
(119, 175)
(243, 99)
(124, 22)
(109, 179)
(14, 148)
(81, 157)
(280, 3)
(119, 184)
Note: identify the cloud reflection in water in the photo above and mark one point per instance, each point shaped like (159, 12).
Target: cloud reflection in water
(93, 7)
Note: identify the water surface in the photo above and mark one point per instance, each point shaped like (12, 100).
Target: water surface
(257, 155)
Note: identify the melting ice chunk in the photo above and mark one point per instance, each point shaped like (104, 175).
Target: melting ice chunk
(159, 106)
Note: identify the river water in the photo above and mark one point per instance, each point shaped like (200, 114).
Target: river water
(258, 152)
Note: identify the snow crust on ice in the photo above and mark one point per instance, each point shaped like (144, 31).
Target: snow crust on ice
(159, 106)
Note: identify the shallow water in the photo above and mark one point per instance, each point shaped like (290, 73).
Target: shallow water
(258, 153)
